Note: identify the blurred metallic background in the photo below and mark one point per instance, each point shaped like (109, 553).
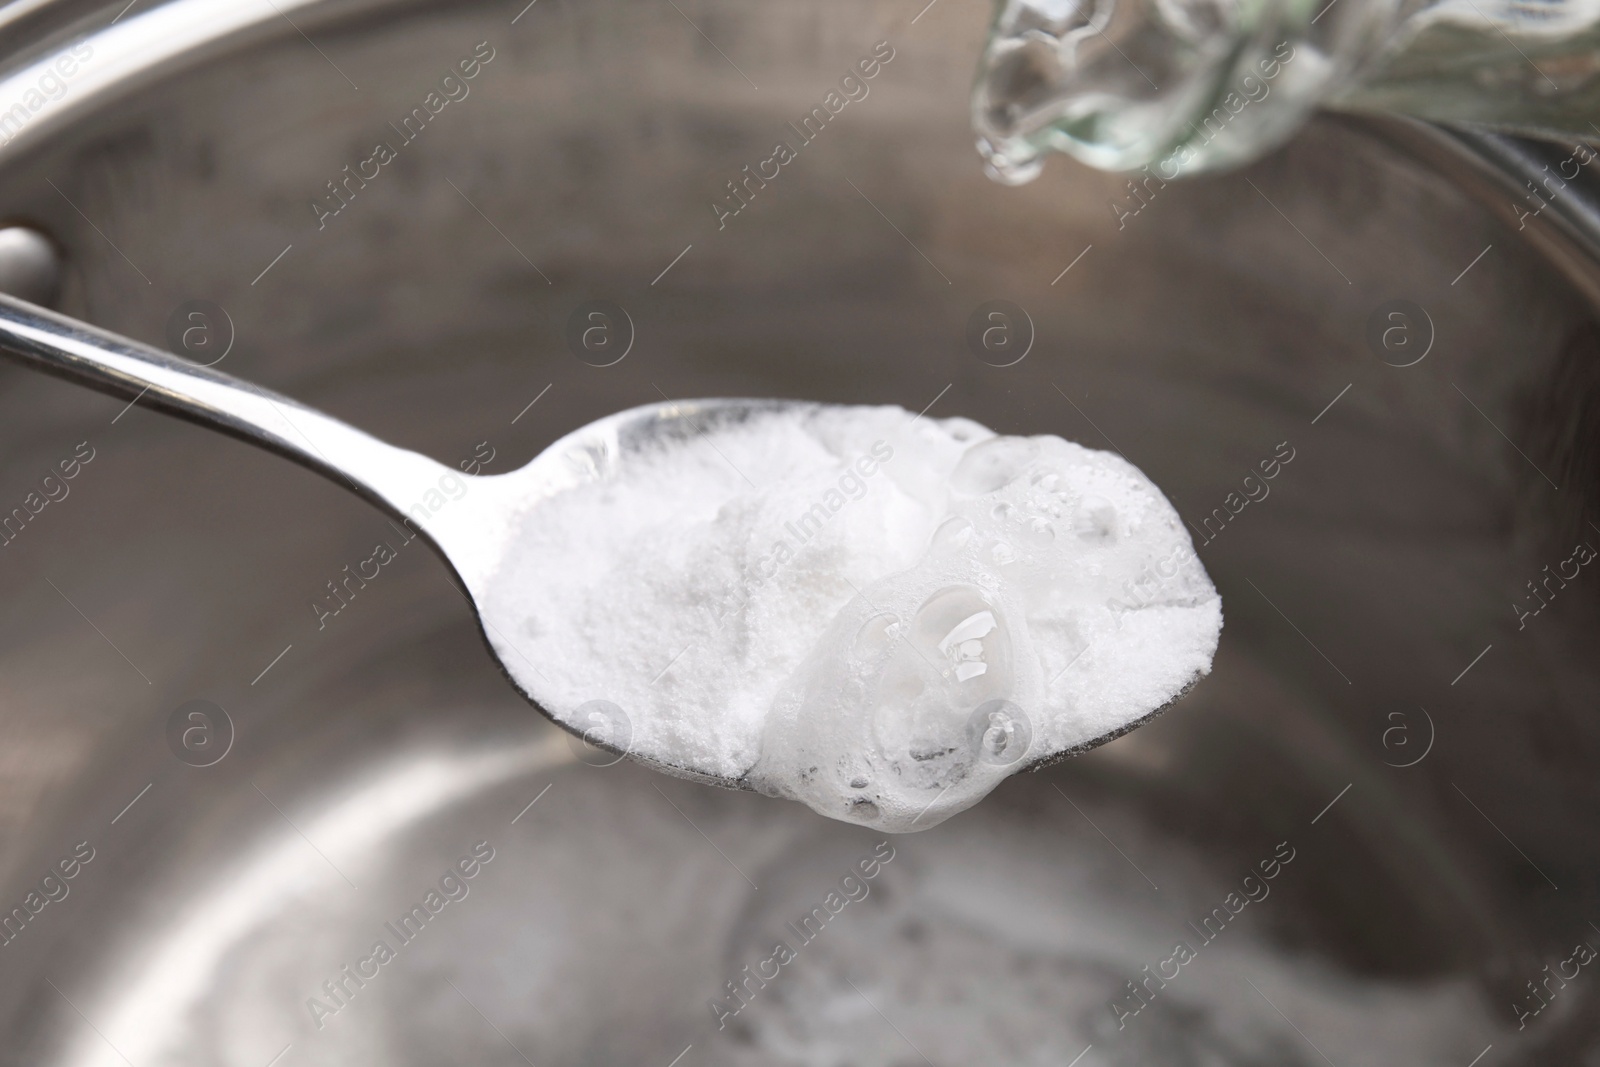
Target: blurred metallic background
(1195, 337)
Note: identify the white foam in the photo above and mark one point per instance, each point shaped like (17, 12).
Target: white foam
(879, 615)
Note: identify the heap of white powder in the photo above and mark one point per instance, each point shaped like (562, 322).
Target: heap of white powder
(877, 614)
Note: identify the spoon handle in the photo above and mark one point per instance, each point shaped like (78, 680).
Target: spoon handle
(391, 477)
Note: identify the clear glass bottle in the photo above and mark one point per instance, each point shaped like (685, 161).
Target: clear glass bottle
(1191, 85)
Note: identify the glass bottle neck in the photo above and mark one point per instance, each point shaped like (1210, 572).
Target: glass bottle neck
(1187, 85)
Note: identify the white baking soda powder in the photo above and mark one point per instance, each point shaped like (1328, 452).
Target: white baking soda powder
(877, 614)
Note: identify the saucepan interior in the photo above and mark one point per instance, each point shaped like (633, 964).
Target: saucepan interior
(1356, 841)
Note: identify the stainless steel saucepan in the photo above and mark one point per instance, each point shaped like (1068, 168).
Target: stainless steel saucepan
(255, 811)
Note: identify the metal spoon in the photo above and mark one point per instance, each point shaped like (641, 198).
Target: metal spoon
(470, 520)
(471, 529)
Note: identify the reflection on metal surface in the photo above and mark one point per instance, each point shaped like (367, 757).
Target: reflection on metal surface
(1406, 926)
(253, 892)
(30, 265)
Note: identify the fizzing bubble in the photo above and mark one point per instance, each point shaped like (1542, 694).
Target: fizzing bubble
(924, 677)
